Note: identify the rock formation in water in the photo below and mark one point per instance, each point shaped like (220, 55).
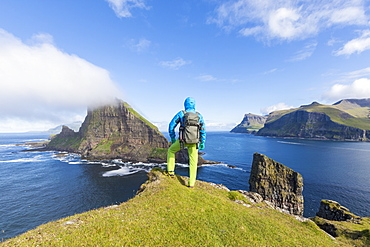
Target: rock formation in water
(331, 217)
(332, 210)
(182, 157)
(113, 131)
(250, 124)
(277, 184)
(345, 120)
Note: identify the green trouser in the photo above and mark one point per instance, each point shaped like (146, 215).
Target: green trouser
(193, 160)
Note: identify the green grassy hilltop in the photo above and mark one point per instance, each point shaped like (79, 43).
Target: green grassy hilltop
(346, 120)
(167, 213)
(343, 112)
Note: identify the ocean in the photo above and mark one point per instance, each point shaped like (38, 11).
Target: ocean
(38, 187)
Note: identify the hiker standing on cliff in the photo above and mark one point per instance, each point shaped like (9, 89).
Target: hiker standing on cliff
(192, 135)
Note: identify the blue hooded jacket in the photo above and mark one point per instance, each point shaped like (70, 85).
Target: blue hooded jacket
(189, 106)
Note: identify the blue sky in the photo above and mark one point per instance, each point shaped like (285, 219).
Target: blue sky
(234, 57)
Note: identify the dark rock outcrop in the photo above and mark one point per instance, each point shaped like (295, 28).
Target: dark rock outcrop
(277, 184)
(113, 131)
(332, 210)
(250, 124)
(182, 157)
(331, 217)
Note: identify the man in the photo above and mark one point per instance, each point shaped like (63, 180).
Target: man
(177, 144)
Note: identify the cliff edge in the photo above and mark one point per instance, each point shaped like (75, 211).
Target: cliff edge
(250, 124)
(167, 213)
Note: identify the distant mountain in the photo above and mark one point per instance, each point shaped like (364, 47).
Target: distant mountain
(74, 126)
(250, 124)
(345, 120)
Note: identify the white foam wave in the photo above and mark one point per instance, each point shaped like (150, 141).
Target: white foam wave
(293, 143)
(22, 160)
(226, 166)
(75, 162)
(354, 149)
(35, 140)
(108, 164)
(6, 145)
(70, 158)
(123, 171)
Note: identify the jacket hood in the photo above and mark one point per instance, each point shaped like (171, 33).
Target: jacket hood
(189, 104)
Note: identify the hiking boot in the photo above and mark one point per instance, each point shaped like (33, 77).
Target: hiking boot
(171, 175)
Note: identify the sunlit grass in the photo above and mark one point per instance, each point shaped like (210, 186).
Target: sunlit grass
(167, 213)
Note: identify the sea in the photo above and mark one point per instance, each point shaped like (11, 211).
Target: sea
(39, 187)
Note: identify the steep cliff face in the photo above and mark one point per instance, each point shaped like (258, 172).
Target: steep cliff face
(277, 184)
(345, 120)
(251, 123)
(316, 125)
(113, 131)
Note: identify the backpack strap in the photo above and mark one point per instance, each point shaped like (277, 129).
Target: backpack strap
(181, 130)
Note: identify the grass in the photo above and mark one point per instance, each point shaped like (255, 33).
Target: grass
(167, 213)
(354, 117)
(66, 142)
(135, 113)
(104, 146)
(160, 153)
(354, 234)
(342, 117)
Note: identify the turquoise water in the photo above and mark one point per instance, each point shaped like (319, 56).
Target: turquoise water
(38, 187)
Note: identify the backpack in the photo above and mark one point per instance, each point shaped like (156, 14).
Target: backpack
(189, 129)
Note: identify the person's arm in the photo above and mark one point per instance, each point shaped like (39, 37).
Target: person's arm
(202, 131)
(174, 122)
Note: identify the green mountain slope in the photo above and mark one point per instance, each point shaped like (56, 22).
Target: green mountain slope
(251, 123)
(167, 213)
(345, 120)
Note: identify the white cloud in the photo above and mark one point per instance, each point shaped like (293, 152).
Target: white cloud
(219, 126)
(270, 71)
(305, 53)
(359, 88)
(174, 64)
(277, 107)
(349, 15)
(251, 31)
(283, 23)
(356, 45)
(42, 38)
(139, 46)
(358, 73)
(40, 83)
(206, 78)
(122, 8)
(288, 19)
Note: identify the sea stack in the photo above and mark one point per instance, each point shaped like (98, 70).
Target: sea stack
(113, 131)
(277, 184)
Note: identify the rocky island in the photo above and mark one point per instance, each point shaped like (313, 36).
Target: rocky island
(346, 120)
(113, 131)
